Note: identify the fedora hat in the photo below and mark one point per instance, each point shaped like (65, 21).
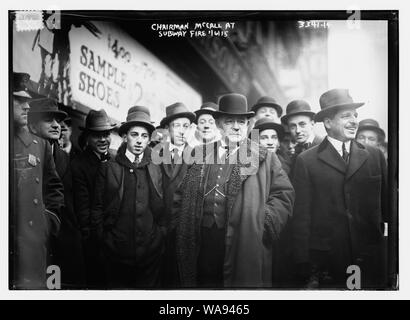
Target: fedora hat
(44, 106)
(137, 115)
(20, 81)
(97, 121)
(206, 108)
(266, 123)
(267, 102)
(233, 104)
(297, 107)
(335, 100)
(177, 110)
(370, 124)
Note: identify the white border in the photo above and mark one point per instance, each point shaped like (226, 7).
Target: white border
(404, 216)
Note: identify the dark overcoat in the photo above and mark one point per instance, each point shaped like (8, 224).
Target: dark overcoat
(259, 203)
(340, 209)
(38, 200)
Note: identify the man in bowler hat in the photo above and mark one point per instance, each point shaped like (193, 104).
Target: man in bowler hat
(206, 130)
(340, 206)
(370, 133)
(84, 168)
(38, 196)
(232, 209)
(128, 214)
(177, 121)
(299, 119)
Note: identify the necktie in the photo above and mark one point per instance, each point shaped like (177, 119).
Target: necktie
(345, 154)
(136, 161)
(105, 157)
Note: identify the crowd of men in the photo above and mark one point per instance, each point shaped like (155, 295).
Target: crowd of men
(252, 198)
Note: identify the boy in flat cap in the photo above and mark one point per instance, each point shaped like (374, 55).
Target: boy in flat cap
(38, 197)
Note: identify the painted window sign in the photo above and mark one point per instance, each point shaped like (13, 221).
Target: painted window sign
(112, 71)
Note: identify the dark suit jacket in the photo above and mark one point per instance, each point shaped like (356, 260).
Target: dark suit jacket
(84, 169)
(339, 209)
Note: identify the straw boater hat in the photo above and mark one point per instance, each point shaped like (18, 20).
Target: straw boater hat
(233, 104)
(267, 102)
(137, 116)
(297, 107)
(97, 121)
(335, 100)
(266, 123)
(206, 108)
(370, 124)
(42, 107)
(176, 110)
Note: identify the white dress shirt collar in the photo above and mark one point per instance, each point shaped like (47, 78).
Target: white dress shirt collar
(132, 156)
(338, 145)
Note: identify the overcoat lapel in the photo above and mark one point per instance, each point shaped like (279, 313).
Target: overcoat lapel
(358, 156)
(328, 154)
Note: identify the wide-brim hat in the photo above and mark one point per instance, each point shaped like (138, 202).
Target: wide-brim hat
(267, 102)
(97, 121)
(206, 108)
(137, 116)
(266, 123)
(42, 107)
(335, 100)
(297, 107)
(233, 104)
(371, 124)
(177, 110)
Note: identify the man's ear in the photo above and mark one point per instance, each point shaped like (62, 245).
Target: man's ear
(327, 123)
(33, 128)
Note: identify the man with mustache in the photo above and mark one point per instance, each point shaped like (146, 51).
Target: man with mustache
(128, 212)
(38, 197)
(340, 206)
(45, 121)
(236, 198)
(84, 168)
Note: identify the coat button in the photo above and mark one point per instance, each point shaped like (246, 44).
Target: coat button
(131, 170)
(35, 201)
(30, 223)
(38, 160)
(35, 141)
(37, 180)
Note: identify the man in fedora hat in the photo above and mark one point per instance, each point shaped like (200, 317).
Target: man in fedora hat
(370, 133)
(270, 136)
(299, 120)
(128, 212)
(340, 202)
(231, 211)
(178, 122)
(45, 121)
(84, 168)
(206, 130)
(38, 196)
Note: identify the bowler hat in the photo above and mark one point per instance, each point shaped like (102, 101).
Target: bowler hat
(266, 123)
(45, 106)
(97, 121)
(370, 124)
(206, 108)
(267, 102)
(233, 104)
(177, 110)
(20, 89)
(335, 100)
(137, 115)
(297, 107)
